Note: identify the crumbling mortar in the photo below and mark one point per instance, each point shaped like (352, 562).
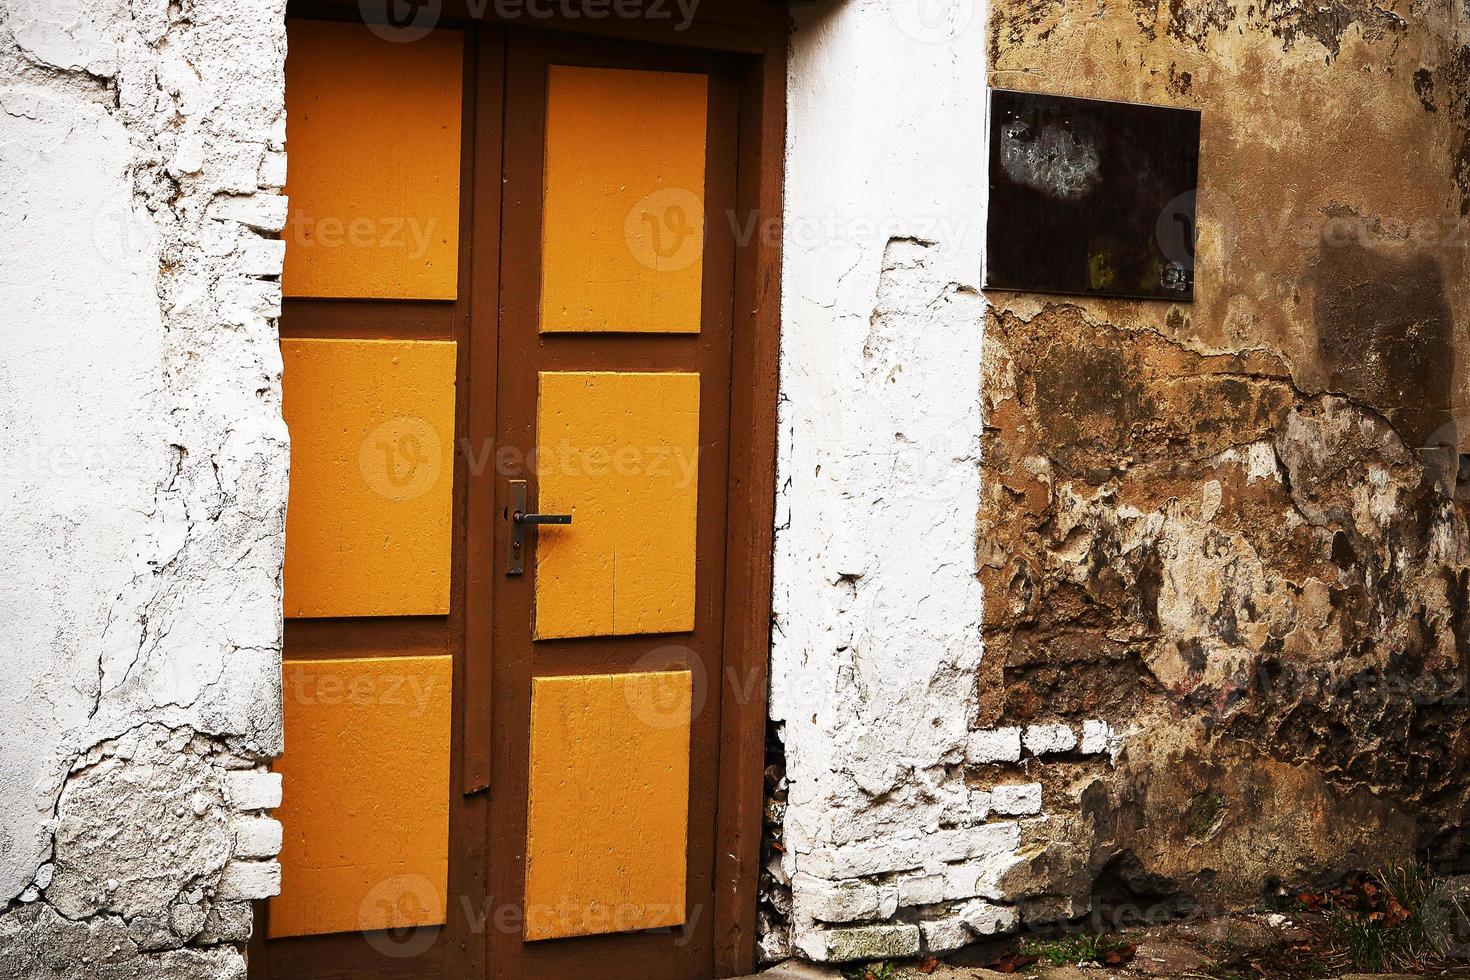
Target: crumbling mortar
(1319, 404)
(1191, 344)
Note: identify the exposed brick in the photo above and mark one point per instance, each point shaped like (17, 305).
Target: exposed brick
(985, 919)
(1095, 737)
(944, 935)
(1017, 800)
(249, 880)
(835, 901)
(257, 837)
(850, 943)
(251, 790)
(265, 212)
(994, 745)
(1046, 739)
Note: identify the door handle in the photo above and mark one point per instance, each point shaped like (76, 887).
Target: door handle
(519, 519)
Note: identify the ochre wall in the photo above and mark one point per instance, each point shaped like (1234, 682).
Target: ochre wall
(1217, 525)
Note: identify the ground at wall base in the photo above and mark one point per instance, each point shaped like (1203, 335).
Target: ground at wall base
(1241, 946)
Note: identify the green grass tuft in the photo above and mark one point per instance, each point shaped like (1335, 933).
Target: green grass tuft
(1073, 949)
(1400, 919)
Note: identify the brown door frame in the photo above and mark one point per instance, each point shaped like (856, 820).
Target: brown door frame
(755, 30)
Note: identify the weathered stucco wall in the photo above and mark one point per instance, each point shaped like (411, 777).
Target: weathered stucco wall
(1232, 528)
(144, 474)
(1223, 545)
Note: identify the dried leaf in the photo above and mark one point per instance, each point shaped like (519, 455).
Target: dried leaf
(1012, 963)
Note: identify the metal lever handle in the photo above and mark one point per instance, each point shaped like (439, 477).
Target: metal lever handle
(519, 520)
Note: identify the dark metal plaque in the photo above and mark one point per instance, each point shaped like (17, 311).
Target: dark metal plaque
(1091, 197)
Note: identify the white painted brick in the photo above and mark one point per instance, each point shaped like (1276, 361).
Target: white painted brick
(242, 880)
(250, 790)
(862, 859)
(963, 880)
(1017, 800)
(273, 169)
(1095, 737)
(266, 212)
(261, 256)
(835, 901)
(932, 851)
(993, 883)
(238, 168)
(832, 864)
(921, 890)
(1046, 739)
(980, 807)
(188, 156)
(994, 745)
(985, 841)
(849, 943)
(985, 919)
(952, 882)
(257, 837)
(944, 935)
(244, 300)
(887, 901)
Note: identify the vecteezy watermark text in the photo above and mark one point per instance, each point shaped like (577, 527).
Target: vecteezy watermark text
(409, 20)
(408, 234)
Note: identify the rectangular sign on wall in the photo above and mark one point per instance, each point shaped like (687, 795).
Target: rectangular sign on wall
(1091, 197)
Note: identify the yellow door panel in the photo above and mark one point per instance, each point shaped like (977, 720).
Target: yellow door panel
(372, 441)
(373, 132)
(365, 795)
(620, 453)
(622, 241)
(609, 803)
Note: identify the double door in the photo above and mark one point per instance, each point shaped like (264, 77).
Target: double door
(509, 342)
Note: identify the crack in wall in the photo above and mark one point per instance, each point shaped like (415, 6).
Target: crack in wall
(153, 179)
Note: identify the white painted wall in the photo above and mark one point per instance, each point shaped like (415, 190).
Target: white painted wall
(877, 606)
(143, 469)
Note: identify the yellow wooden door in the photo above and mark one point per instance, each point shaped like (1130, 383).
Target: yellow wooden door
(616, 260)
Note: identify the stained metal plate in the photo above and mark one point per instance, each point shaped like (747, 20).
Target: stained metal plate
(1091, 197)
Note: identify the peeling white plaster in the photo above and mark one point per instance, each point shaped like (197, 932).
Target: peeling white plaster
(877, 645)
(144, 471)
(905, 823)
